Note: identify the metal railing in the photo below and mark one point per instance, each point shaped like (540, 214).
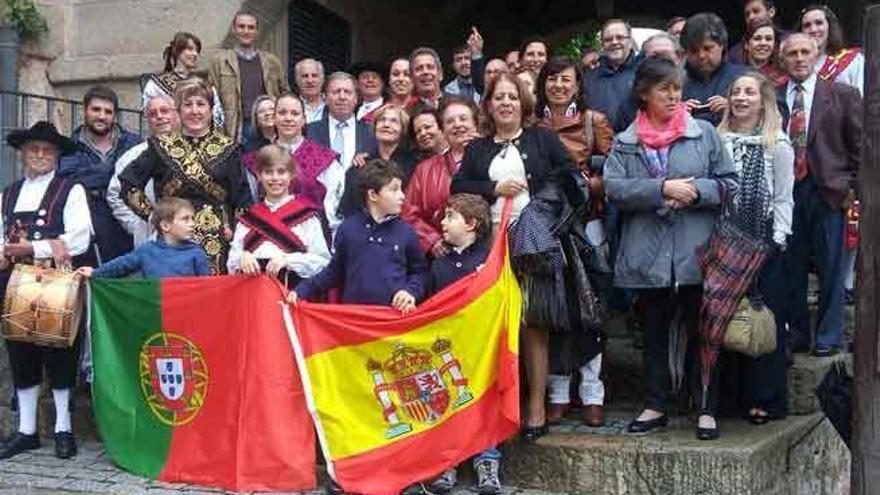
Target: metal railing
(19, 110)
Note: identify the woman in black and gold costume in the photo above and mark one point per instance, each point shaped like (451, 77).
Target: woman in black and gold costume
(200, 164)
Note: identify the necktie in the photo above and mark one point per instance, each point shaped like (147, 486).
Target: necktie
(797, 131)
(338, 144)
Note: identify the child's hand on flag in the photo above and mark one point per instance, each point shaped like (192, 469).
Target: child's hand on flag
(404, 302)
(292, 297)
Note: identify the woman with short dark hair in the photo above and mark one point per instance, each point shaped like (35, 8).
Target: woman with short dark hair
(668, 174)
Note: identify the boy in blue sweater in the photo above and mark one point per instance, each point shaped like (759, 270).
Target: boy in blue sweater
(466, 228)
(376, 255)
(174, 254)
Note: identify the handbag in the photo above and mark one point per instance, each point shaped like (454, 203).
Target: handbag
(752, 330)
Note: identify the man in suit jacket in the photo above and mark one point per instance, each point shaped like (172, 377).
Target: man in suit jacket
(341, 132)
(242, 74)
(823, 119)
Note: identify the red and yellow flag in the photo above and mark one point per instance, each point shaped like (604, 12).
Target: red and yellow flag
(396, 399)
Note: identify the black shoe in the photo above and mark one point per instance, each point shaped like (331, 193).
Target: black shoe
(849, 297)
(707, 433)
(533, 433)
(822, 351)
(18, 444)
(65, 445)
(645, 426)
(758, 419)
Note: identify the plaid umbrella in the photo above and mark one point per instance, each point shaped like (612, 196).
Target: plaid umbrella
(730, 260)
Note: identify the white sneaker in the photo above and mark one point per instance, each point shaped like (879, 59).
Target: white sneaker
(488, 481)
(445, 482)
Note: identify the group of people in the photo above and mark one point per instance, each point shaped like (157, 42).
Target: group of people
(382, 186)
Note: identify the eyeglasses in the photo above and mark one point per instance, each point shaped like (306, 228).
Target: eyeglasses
(616, 37)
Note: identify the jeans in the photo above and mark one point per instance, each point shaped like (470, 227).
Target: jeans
(818, 235)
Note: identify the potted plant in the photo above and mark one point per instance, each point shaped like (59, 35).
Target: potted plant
(19, 20)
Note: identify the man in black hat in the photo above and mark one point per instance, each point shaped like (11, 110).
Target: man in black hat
(370, 78)
(44, 219)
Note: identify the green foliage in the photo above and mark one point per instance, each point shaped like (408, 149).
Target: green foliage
(574, 47)
(24, 17)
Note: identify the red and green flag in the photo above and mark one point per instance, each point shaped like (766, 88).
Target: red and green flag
(196, 382)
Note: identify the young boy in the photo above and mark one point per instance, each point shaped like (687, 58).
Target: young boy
(281, 235)
(376, 258)
(466, 229)
(173, 254)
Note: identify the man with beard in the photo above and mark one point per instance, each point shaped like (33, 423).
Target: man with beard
(427, 74)
(242, 74)
(370, 78)
(100, 142)
(610, 84)
(709, 73)
(463, 84)
(162, 120)
(309, 75)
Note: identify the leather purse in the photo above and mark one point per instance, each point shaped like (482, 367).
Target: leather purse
(752, 330)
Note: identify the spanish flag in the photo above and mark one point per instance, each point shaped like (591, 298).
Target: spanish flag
(397, 400)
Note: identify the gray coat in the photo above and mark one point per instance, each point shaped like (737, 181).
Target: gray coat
(658, 245)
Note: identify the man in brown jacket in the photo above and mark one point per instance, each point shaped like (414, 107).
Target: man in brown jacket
(244, 73)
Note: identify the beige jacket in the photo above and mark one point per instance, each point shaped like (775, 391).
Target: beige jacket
(223, 74)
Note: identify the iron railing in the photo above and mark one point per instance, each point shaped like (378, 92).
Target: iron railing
(19, 110)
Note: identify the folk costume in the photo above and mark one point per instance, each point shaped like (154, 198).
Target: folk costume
(204, 170)
(52, 214)
(310, 184)
(290, 227)
(847, 67)
(164, 83)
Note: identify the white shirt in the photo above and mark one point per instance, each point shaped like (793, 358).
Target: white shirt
(139, 229)
(508, 164)
(349, 138)
(809, 91)
(313, 114)
(333, 179)
(77, 221)
(853, 75)
(307, 264)
(368, 106)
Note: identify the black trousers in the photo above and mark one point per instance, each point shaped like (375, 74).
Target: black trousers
(27, 362)
(661, 307)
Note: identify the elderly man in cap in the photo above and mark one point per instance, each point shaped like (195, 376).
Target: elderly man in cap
(44, 220)
(370, 77)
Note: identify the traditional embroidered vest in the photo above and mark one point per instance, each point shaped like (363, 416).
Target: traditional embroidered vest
(835, 65)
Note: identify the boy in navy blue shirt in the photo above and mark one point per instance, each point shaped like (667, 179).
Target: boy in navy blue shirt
(466, 230)
(376, 255)
(173, 254)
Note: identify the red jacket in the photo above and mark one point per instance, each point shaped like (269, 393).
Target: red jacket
(426, 196)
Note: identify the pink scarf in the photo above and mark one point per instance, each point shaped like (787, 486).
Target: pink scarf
(654, 138)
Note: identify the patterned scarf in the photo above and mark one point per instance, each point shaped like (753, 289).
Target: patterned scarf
(752, 204)
(657, 141)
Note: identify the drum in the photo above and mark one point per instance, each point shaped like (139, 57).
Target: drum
(42, 306)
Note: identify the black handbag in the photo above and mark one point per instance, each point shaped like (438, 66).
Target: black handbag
(835, 397)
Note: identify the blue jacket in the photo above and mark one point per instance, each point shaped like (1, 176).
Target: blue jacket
(454, 266)
(606, 88)
(371, 262)
(701, 88)
(156, 259)
(87, 167)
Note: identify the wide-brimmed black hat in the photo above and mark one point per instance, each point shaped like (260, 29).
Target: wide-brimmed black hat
(376, 67)
(41, 131)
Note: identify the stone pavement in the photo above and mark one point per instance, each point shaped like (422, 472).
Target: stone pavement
(90, 472)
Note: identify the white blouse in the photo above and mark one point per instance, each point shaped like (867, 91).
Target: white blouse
(854, 74)
(507, 165)
(306, 264)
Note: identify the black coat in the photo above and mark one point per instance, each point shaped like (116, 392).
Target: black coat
(543, 154)
(365, 140)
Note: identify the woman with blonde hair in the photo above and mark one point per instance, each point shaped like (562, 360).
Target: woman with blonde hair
(764, 160)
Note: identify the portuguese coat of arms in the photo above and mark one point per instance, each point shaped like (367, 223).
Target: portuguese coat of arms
(174, 378)
(425, 384)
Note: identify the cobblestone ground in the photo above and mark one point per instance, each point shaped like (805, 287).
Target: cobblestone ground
(90, 472)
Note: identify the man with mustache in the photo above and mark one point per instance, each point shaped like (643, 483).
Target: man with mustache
(162, 120)
(44, 220)
(100, 142)
(608, 86)
(824, 122)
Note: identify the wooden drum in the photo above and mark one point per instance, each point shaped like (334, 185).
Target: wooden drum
(42, 306)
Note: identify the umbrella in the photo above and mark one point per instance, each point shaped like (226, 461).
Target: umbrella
(730, 260)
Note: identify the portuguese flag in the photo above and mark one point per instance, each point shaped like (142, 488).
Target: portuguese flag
(195, 382)
(397, 400)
